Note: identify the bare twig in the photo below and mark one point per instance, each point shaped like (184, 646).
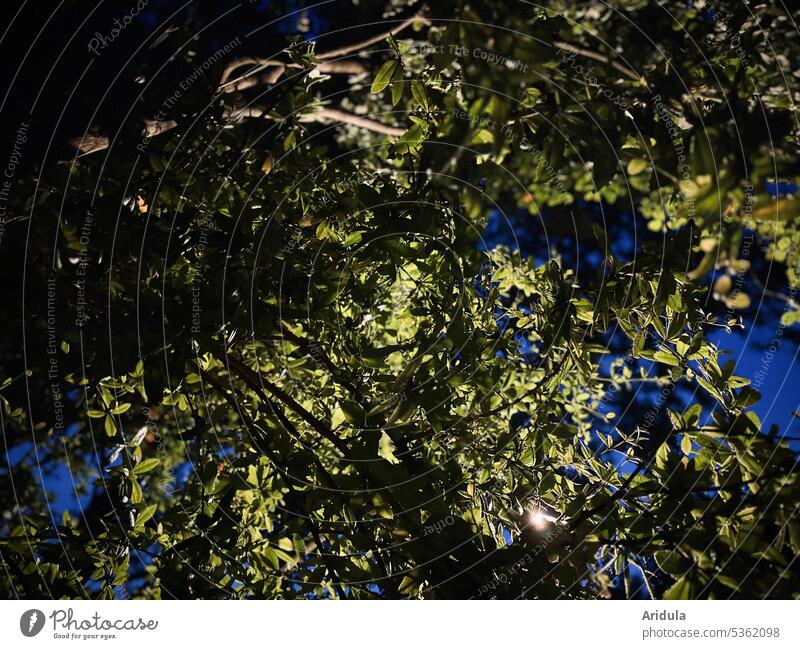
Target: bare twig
(770, 293)
(321, 115)
(246, 60)
(258, 76)
(355, 47)
(602, 58)
(348, 118)
(331, 67)
(245, 112)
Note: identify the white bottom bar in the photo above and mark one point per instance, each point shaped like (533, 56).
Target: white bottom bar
(402, 624)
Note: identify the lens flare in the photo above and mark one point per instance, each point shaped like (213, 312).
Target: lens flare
(541, 519)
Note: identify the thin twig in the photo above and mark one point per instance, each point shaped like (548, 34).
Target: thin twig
(590, 54)
(356, 120)
(355, 47)
(256, 111)
(257, 75)
(771, 293)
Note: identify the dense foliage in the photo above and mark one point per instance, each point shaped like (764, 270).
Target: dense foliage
(270, 341)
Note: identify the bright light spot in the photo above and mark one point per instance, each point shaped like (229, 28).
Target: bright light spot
(540, 518)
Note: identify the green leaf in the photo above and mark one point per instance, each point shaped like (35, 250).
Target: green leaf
(124, 407)
(637, 166)
(353, 238)
(337, 417)
(325, 231)
(146, 465)
(789, 318)
(409, 140)
(271, 556)
(145, 515)
(136, 491)
(384, 76)
(138, 370)
(398, 85)
(747, 397)
(386, 449)
(353, 412)
(681, 589)
(419, 94)
(668, 358)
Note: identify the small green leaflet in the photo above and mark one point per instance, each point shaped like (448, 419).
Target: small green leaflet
(384, 76)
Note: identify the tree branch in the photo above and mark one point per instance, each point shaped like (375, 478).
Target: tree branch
(287, 479)
(363, 122)
(316, 352)
(589, 54)
(255, 380)
(322, 115)
(330, 67)
(355, 47)
(268, 71)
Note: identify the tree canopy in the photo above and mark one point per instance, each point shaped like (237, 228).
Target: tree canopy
(262, 317)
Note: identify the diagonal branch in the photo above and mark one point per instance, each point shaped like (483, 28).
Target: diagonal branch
(256, 111)
(362, 122)
(325, 66)
(255, 381)
(288, 479)
(268, 71)
(602, 58)
(317, 353)
(355, 47)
